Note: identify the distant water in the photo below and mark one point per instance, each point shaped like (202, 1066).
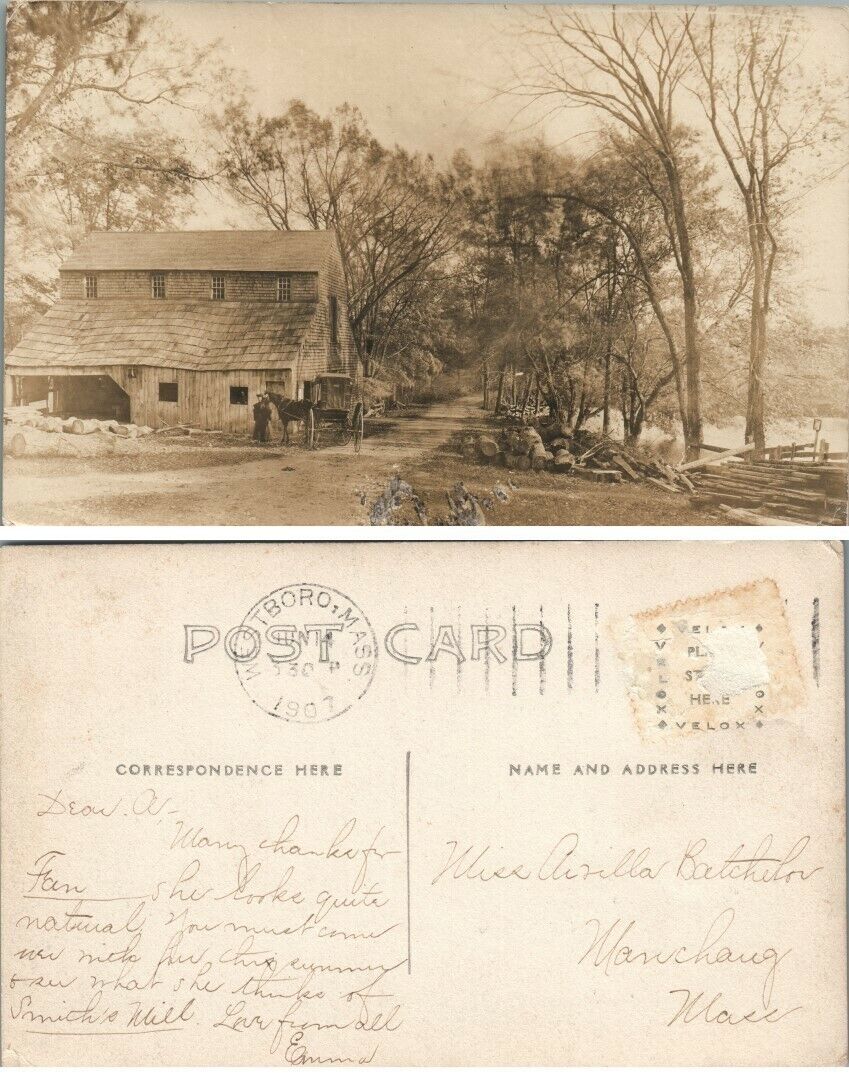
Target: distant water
(670, 446)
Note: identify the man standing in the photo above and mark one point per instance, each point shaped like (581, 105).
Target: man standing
(262, 416)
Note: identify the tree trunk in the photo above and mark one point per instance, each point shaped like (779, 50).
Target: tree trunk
(692, 418)
(605, 411)
(757, 343)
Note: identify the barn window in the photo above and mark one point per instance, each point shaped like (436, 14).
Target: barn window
(167, 391)
(284, 288)
(238, 395)
(157, 286)
(90, 287)
(334, 321)
(217, 286)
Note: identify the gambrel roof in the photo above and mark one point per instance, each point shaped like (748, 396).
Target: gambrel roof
(197, 335)
(262, 250)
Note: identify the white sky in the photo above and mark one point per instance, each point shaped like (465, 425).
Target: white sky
(427, 77)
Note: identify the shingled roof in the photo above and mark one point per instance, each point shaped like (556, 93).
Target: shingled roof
(195, 335)
(269, 249)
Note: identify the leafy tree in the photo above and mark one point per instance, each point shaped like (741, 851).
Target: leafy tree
(64, 55)
(89, 87)
(392, 210)
(765, 110)
(630, 69)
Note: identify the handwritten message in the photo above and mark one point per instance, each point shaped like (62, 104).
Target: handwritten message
(293, 935)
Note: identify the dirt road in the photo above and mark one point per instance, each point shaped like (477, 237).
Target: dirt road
(250, 486)
(187, 481)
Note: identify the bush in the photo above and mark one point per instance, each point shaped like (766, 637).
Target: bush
(441, 388)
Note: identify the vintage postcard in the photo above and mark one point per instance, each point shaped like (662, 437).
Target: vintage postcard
(329, 264)
(423, 804)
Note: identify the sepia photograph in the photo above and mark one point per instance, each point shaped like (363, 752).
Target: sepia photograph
(425, 264)
(364, 804)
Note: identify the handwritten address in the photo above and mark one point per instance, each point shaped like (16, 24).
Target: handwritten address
(293, 935)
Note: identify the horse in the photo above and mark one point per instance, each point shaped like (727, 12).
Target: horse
(290, 410)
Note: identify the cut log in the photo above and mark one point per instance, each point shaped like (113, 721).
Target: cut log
(617, 459)
(663, 484)
(17, 445)
(53, 424)
(85, 427)
(689, 466)
(29, 442)
(469, 447)
(747, 517)
(523, 462)
(599, 476)
(488, 448)
(680, 478)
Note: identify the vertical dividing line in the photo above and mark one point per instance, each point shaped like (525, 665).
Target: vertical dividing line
(815, 640)
(406, 666)
(409, 902)
(459, 649)
(597, 654)
(432, 667)
(486, 654)
(515, 664)
(570, 655)
(542, 658)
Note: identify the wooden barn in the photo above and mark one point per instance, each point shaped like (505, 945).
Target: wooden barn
(187, 327)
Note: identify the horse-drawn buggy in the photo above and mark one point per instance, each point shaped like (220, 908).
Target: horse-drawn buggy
(332, 404)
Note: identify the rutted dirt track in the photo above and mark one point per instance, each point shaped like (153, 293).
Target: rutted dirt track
(261, 486)
(177, 483)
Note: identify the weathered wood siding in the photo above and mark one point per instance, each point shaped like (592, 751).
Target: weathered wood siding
(120, 334)
(203, 397)
(318, 353)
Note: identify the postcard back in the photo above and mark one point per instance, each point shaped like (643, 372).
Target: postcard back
(442, 804)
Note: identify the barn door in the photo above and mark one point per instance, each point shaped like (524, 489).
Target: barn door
(281, 383)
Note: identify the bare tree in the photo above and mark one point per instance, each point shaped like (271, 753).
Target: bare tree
(631, 69)
(763, 111)
(391, 210)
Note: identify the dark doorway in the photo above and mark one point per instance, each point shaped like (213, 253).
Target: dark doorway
(90, 397)
(29, 389)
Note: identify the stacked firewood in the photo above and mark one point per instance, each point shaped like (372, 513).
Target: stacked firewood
(558, 449)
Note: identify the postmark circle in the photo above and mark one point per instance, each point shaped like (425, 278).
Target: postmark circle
(306, 653)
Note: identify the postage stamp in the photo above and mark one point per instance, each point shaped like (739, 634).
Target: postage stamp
(304, 653)
(720, 662)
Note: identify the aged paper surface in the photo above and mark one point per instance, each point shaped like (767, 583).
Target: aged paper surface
(437, 264)
(462, 803)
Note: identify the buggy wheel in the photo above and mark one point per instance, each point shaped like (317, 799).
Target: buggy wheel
(358, 427)
(346, 431)
(309, 430)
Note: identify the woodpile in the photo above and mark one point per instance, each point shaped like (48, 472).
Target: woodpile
(27, 416)
(26, 441)
(772, 488)
(27, 432)
(809, 492)
(550, 446)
